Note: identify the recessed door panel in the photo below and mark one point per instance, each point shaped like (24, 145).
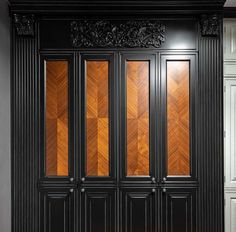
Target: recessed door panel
(178, 123)
(97, 117)
(98, 209)
(137, 118)
(56, 117)
(137, 103)
(178, 88)
(98, 136)
(57, 210)
(137, 209)
(179, 210)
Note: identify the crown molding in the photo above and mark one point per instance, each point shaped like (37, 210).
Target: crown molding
(114, 6)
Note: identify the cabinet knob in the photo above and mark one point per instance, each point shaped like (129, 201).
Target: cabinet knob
(153, 180)
(71, 179)
(164, 179)
(82, 190)
(164, 190)
(71, 190)
(82, 179)
(153, 190)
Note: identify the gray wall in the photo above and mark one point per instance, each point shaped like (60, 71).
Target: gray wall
(5, 173)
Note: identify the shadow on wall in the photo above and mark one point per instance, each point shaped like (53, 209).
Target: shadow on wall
(5, 173)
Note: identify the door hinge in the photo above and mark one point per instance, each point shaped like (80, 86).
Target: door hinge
(224, 88)
(224, 179)
(224, 134)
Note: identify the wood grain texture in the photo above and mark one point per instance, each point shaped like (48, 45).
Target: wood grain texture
(56, 118)
(178, 144)
(97, 118)
(137, 118)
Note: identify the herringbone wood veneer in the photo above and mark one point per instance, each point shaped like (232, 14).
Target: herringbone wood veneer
(137, 118)
(178, 118)
(97, 115)
(57, 118)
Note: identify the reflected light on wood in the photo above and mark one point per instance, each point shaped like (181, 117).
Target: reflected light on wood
(137, 82)
(97, 118)
(178, 144)
(56, 118)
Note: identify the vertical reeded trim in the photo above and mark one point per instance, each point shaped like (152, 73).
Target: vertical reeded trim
(210, 134)
(24, 132)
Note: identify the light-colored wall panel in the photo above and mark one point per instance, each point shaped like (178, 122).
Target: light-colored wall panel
(230, 212)
(230, 132)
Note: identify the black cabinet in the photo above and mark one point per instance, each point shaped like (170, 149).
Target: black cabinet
(117, 120)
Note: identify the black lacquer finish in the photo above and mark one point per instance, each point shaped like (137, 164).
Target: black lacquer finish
(46, 30)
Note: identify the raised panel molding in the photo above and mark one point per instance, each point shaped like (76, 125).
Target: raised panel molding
(98, 209)
(56, 210)
(179, 207)
(230, 40)
(230, 133)
(137, 209)
(230, 212)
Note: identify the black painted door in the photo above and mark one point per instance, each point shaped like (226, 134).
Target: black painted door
(118, 132)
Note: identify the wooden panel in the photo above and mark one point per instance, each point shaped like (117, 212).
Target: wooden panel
(137, 118)
(137, 210)
(97, 115)
(179, 210)
(56, 118)
(56, 210)
(99, 210)
(178, 137)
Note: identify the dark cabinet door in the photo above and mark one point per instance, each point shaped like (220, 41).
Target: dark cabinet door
(117, 136)
(57, 210)
(98, 209)
(179, 210)
(137, 209)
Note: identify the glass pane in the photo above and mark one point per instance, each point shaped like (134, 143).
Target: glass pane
(178, 118)
(137, 82)
(97, 117)
(56, 118)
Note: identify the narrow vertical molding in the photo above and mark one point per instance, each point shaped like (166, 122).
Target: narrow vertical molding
(24, 131)
(210, 131)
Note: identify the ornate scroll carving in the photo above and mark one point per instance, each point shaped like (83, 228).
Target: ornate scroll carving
(117, 34)
(210, 25)
(24, 24)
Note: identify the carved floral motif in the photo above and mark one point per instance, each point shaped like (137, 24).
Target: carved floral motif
(24, 24)
(117, 34)
(210, 25)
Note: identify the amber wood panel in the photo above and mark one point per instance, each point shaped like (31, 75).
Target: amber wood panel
(56, 118)
(137, 118)
(178, 128)
(97, 118)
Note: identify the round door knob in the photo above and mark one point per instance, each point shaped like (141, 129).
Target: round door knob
(71, 179)
(163, 190)
(153, 180)
(71, 190)
(153, 190)
(82, 190)
(82, 179)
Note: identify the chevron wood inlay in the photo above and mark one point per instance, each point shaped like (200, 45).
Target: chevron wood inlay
(56, 118)
(178, 144)
(137, 82)
(97, 115)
